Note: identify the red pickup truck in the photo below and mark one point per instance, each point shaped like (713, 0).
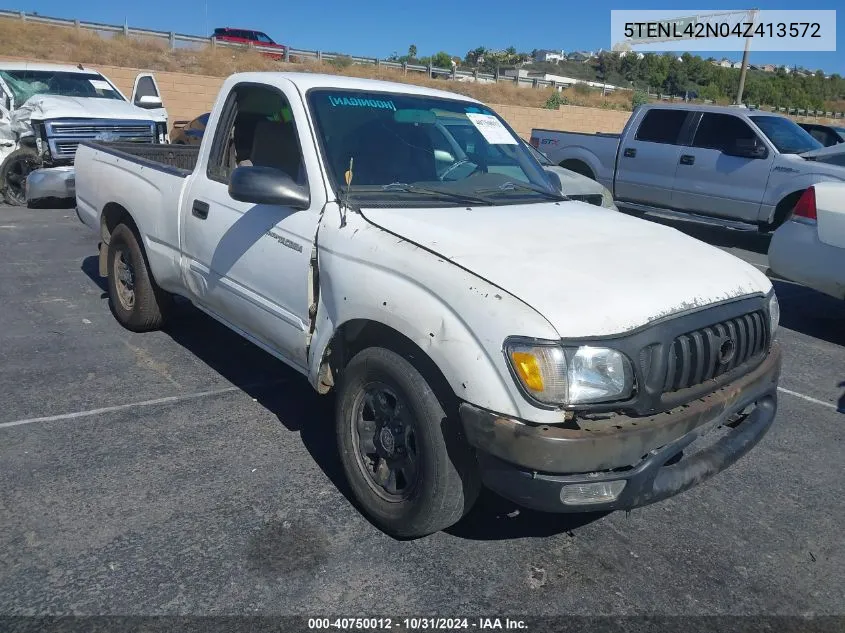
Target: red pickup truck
(249, 36)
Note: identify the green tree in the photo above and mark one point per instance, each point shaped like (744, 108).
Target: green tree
(472, 57)
(441, 60)
(412, 51)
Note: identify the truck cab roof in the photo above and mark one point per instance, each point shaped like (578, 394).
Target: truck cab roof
(35, 66)
(308, 81)
(729, 109)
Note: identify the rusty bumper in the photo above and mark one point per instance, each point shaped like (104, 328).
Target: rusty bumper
(531, 464)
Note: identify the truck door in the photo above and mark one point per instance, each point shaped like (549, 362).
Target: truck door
(714, 177)
(648, 158)
(248, 263)
(145, 94)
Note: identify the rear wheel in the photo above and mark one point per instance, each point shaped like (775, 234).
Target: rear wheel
(408, 467)
(135, 299)
(13, 174)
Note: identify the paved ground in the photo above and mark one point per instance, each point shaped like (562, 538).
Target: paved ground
(219, 492)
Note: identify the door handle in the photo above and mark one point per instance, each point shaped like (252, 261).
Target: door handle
(687, 159)
(629, 152)
(199, 209)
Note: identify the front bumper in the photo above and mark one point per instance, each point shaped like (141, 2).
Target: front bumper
(531, 464)
(51, 182)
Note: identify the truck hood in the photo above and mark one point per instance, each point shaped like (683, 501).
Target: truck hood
(589, 271)
(42, 107)
(835, 155)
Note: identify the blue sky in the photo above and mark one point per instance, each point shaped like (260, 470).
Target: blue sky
(379, 27)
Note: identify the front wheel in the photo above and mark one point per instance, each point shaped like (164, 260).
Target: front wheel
(13, 174)
(405, 459)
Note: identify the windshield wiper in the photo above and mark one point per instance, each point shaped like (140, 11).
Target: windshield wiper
(462, 197)
(512, 186)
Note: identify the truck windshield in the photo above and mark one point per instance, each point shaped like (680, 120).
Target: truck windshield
(410, 148)
(27, 83)
(786, 135)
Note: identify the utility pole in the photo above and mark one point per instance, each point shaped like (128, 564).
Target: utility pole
(752, 14)
(743, 71)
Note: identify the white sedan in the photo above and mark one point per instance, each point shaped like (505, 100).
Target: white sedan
(810, 247)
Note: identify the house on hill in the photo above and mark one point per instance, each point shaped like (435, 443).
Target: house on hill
(579, 56)
(549, 56)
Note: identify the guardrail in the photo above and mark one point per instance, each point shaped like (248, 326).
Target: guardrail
(294, 55)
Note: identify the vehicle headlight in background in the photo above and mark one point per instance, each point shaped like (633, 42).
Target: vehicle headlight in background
(774, 313)
(607, 200)
(579, 375)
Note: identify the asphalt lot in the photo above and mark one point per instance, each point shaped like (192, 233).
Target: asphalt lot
(188, 472)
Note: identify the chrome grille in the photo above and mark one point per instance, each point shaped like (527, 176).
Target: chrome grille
(704, 354)
(66, 148)
(64, 135)
(92, 130)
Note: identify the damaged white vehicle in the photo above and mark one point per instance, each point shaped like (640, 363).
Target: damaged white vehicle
(46, 110)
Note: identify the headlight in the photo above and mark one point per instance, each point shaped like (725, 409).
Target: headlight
(582, 375)
(541, 369)
(607, 200)
(774, 313)
(597, 374)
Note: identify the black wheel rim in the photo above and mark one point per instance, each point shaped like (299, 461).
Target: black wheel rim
(16, 175)
(385, 441)
(124, 277)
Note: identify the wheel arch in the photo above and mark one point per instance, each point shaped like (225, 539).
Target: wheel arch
(579, 166)
(358, 334)
(784, 206)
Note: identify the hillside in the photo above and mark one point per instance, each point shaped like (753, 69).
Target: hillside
(669, 74)
(68, 45)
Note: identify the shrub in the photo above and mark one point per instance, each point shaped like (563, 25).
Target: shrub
(555, 101)
(638, 98)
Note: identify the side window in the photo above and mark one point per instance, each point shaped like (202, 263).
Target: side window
(721, 131)
(146, 88)
(662, 125)
(256, 129)
(821, 135)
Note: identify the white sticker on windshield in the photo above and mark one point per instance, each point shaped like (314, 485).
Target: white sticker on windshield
(99, 84)
(491, 129)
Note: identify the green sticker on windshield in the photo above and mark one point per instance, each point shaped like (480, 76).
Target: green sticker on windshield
(382, 104)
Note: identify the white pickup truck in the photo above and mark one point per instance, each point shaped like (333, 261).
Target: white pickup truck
(46, 110)
(716, 161)
(402, 247)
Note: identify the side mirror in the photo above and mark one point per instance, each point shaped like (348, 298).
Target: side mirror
(265, 185)
(554, 178)
(747, 148)
(149, 102)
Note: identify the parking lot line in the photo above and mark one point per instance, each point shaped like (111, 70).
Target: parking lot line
(217, 392)
(131, 405)
(809, 399)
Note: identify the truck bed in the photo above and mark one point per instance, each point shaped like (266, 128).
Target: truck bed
(179, 160)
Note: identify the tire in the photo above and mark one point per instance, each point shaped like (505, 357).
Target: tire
(135, 299)
(13, 173)
(435, 488)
